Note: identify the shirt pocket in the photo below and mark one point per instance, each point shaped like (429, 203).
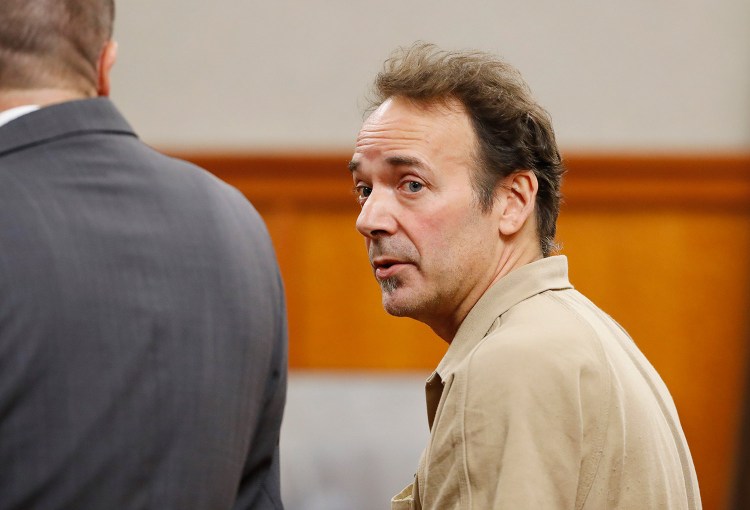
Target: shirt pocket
(404, 500)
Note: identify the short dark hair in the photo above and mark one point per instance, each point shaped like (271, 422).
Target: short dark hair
(514, 133)
(52, 43)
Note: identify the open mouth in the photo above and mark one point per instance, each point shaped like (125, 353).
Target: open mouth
(384, 263)
(387, 268)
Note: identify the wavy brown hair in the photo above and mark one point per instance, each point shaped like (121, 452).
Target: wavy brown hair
(53, 43)
(514, 133)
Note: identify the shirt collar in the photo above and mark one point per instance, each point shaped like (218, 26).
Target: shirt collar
(550, 273)
(69, 118)
(12, 114)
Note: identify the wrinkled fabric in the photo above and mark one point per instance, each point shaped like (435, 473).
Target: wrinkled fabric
(543, 401)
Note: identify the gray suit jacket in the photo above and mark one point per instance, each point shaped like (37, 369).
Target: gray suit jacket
(142, 325)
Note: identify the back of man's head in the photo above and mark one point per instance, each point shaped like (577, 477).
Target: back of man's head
(53, 44)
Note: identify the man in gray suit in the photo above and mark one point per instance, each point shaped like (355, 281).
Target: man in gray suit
(142, 319)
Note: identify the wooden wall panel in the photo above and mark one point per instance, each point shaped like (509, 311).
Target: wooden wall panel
(659, 242)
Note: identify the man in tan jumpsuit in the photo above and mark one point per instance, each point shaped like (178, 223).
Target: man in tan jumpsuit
(542, 401)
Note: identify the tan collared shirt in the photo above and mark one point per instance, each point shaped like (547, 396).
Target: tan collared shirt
(543, 402)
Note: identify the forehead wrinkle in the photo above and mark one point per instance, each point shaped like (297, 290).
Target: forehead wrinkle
(402, 128)
(394, 138)
(394, 129)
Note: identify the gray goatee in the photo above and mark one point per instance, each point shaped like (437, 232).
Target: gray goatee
(388, 285)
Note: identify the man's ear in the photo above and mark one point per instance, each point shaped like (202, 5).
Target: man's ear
(518, 202)
(106, 60)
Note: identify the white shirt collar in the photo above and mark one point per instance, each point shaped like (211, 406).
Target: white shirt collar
(8, 115)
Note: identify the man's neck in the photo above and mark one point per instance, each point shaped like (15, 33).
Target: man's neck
(516, 253)
(11, 98)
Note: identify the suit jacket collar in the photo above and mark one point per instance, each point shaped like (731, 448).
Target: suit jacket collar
(60, 121)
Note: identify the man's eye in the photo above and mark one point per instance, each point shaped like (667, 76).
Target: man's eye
(414, 186)
(363, 191)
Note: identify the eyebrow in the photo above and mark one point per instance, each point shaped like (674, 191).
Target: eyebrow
(403, 161)
(393, 161)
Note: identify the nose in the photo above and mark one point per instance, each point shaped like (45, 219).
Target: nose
(376, 219)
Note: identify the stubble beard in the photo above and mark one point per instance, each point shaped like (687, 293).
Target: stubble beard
(412, 306)
(406, 253)
(388, 286)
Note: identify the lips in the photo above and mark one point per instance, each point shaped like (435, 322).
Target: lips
(387, 267)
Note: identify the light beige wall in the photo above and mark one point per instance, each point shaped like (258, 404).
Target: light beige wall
(290, 75)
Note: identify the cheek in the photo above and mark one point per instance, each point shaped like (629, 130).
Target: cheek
(431, 236)
(440, 237)
(447, 233)
(468, 237)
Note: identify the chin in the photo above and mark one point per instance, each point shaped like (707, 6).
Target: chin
(391, 303)
(399, 306)
(396, 310)
(401, 300)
